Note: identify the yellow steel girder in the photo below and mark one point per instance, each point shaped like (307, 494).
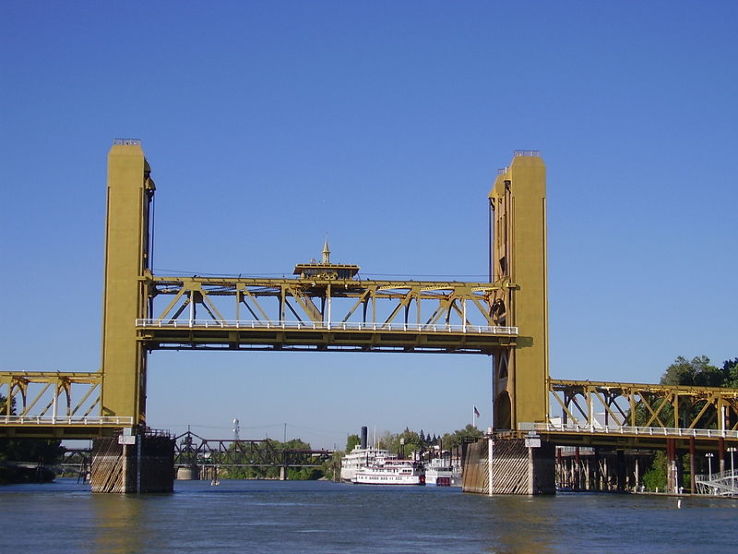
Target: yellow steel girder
(333, 314)
(611, 404)
(53, 398)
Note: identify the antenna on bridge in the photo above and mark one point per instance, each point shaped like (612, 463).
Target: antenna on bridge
(236, 429)
(326, 253)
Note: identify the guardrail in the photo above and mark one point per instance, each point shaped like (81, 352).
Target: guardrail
(628, 430)
(724, 483)
(325, 326)
(730, 474)
(123, 421)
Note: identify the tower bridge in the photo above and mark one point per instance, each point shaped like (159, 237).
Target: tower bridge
(329, 307)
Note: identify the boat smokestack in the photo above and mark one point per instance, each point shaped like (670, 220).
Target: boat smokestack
(363, 436)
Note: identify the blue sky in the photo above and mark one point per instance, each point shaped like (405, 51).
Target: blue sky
(270, 125)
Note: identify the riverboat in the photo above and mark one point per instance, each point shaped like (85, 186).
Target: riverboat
(360, 458)
(442, 473)
(391, 471)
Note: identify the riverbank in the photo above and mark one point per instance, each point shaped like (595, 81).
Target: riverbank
(14, 473)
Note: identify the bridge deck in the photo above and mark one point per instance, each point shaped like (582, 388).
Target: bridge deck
(627, 436)
(324, 336)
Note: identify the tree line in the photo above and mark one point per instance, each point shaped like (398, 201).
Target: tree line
(409, 441)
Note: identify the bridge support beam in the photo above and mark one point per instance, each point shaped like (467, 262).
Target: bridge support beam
(508, 466)
(621, 470)
(672, 471)
(692, 466)
(140, 463)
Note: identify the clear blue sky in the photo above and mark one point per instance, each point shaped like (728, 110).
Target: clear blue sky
(381, 124)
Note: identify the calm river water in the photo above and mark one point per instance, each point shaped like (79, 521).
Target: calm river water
(272, 516)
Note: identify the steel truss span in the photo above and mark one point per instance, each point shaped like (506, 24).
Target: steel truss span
(323, 315)
(636, 413)
(193, 450)
(54, 404)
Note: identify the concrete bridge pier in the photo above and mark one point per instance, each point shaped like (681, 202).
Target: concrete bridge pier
(133, 462)
(496, 465)
(672, 467)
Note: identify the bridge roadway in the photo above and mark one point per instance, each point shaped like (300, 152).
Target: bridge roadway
(55, 405)
(638, 415)
(321, 314)
(66, 405)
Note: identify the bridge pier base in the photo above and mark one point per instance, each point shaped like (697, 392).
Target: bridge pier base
(672, 468)
(514, 468)
(142, 463)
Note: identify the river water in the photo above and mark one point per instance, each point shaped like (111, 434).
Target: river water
(319, 516)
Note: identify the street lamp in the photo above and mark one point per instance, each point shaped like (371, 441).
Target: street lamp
(709, 457)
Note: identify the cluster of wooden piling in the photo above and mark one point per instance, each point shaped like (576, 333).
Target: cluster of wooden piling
(145, 463)
(516, 468)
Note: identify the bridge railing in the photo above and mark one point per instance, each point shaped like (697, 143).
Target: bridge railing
(53, 398)
(327, 326)
(92, 420)
(597, 404)
(730, 475)
(592, 429)
(723, 483)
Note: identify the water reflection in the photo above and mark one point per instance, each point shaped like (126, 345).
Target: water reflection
(119, 522)
(327, 517)
(522, 524)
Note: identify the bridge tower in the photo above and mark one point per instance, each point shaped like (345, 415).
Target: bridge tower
(136, 461)
(506, 463)
(518, 218)
(126, 294)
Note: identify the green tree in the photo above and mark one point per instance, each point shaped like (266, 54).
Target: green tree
(460, 436)
(730, 373)
(698, 372)
(352, 441)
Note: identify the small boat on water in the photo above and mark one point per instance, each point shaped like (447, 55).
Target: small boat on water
(391, 471)
(367, 465)
(442, 473)
(360, 458)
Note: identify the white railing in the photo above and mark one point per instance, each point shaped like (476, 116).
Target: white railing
(326, 325)
(724, 483)
(718, 476)
(593, 429)
(123, 421)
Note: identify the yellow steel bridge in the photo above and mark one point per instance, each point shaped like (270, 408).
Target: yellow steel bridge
(328, 307)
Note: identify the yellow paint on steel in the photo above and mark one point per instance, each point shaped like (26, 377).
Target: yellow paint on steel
(518, 266)
(618, 403)
(126, 295)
